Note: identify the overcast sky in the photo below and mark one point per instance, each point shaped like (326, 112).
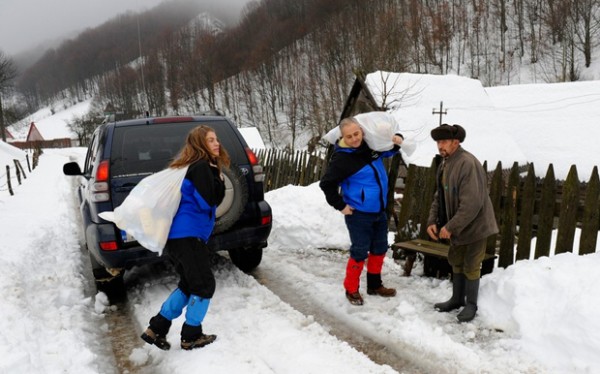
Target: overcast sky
(25, 24)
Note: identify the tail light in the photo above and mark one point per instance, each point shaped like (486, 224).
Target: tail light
(109, 246)
(257, 168)
(99, 188)
(265, 220)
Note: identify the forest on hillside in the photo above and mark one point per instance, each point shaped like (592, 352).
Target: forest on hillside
(287, 66)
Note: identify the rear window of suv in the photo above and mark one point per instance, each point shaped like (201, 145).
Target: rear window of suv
(145, 149)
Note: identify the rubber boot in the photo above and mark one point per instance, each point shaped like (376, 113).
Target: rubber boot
(352, 281)
(458, 294)
(472, 292)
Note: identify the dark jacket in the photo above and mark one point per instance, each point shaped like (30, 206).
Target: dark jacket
(201, 191)
(469, 212)
(361, 175)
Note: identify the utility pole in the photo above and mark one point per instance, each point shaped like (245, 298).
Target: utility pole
(441, 112)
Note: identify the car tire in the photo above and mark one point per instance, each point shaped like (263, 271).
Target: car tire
(246, 259)
(235, 200)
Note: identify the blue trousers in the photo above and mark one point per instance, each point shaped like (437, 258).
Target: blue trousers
(368, 234)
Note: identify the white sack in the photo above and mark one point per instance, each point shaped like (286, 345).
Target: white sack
(378, 127)
(148, 211)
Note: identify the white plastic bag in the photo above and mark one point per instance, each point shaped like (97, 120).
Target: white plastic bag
(148, 210)
(378, 128)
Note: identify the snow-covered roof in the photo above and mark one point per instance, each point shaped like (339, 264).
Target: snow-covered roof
(413, 98)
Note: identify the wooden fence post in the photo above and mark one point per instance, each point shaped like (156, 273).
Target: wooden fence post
(509, 218)
(17, 171)
(28, 165)
(546, 215)
(277, 168)
(496, 197)
(392, 178)
(428, 190)
(403, 230)
(310, 169)
(525, 219)
(590, 222)
(568, 213)
(8, 182)
(18, 165)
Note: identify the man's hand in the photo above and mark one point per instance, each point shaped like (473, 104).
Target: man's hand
(347, 210)
(444, 233)
(432, 231)
(397, 139)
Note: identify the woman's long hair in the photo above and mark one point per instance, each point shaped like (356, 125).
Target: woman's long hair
(195, 148)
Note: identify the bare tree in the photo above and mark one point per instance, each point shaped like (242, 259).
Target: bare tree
(587, 25)
(7, 75)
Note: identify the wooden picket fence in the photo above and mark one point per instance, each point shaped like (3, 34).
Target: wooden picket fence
(525, 207)
(283, 168)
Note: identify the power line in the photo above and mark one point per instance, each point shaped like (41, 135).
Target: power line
(529, 107)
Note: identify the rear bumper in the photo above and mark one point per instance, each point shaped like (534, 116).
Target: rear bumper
(241, 238)
(245, 238)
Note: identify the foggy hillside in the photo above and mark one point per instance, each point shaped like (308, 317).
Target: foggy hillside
(287, 67)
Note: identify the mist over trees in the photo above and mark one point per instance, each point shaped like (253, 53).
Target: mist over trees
(287, 66)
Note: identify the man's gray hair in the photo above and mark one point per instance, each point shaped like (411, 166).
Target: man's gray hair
(347, 121)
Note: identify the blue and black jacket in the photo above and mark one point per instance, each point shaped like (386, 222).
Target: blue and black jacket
(362, 177)
(202, 191)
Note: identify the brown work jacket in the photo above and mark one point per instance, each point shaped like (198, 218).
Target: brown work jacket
(469, 210)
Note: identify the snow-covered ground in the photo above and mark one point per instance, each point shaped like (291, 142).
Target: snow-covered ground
(535, 317)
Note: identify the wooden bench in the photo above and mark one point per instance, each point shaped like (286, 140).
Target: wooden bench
(435, 257)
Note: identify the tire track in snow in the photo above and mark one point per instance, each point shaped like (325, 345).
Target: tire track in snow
(293, 296)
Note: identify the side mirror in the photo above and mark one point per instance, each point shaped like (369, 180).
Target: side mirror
(72, 168)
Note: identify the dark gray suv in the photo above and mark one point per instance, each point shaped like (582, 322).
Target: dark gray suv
(122, 153)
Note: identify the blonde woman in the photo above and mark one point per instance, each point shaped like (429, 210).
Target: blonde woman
(202, 191)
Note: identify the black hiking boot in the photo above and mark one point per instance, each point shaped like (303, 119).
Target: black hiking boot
(199, 342)
(159, 341)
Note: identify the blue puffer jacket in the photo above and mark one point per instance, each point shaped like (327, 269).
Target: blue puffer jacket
(202, 191)
(362, 177)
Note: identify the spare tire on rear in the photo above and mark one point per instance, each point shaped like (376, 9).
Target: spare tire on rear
(234, 202)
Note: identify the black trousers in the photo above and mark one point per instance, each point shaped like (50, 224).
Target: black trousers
(191, 258)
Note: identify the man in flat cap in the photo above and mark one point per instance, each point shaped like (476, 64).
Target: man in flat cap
(462, 213)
